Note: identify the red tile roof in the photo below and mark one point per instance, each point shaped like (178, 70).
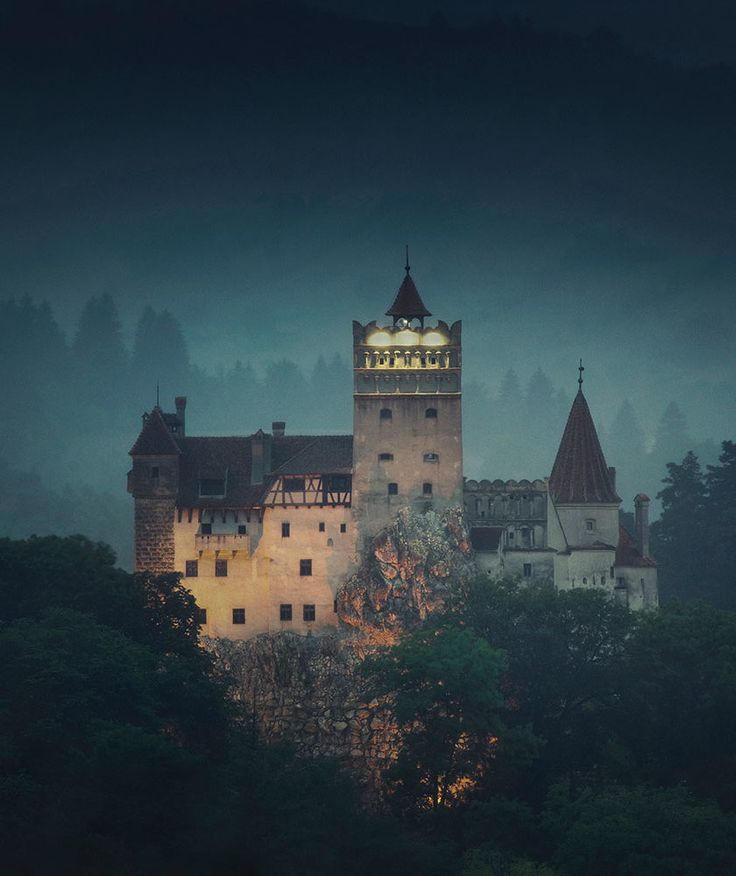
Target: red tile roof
(155, 438)
(408, 301)
(627, 552)
(580, 473)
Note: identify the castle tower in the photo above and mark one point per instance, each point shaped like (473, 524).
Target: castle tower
(153, 482)
(407, 424)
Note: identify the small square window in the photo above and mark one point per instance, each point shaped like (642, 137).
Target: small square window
(527, 570)
(242, 530)
(343, 527)
(206, 529)
(200, 615)
(386, 413)
(321, 527)
(308, 612)
(285, 530)
(431, 413)
(238, 615)
(305, 568)
(192, 568)
(393, 489)
(285, 611)
(426, 489)
(154, 472)
(590, 525)
(220, 568)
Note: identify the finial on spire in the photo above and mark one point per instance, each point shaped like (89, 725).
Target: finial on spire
(406, 266)
(157, 395)
(580, 377)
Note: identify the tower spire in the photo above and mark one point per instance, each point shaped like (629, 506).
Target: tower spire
(580, 376)
(406, 266)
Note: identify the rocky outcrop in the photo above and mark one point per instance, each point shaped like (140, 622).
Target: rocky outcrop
(308, 691)
(411, 568)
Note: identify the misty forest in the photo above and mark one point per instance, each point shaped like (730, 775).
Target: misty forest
(196, 200)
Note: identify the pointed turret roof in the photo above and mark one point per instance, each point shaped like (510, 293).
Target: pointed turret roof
(580, 473)
(155, 437)
(408, 302)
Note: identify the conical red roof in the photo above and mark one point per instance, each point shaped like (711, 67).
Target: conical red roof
(155, 437)
(580, 473)
(408, 302)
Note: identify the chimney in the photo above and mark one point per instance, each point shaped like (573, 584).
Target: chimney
(278, 428)
(260, 453)
(641, 522)
(181, 405)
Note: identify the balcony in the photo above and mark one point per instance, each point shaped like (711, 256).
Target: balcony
(222, 541)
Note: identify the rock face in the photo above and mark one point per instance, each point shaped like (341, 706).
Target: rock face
(410, 570)
(307, 691)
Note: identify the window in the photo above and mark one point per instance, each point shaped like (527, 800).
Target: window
(338, 483)
(393, 489)
(206, 529)
(603, 579)
(242, 530)
(305, 568)
(590, 525)
(238, 615)
(431, 413)
(293, 485)
(343, 527)
(212, 487)
(285, 611)
(386, 413)
(431, 457)
(220, 568)
(334, 606)
(585, 582)
(192, 568)
(308, 612)
(154, 472)
(613, 574)
(621, 583)
(321, 527)
(285, 530)
(200, 615)
(527, 570)
(426, 489)
(385, 457)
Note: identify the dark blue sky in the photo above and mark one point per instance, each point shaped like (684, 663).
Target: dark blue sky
(258, 170)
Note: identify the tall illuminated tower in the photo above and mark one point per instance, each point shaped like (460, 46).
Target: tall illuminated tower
(407, 422)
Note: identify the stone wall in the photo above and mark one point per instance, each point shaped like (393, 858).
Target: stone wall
(154, 534)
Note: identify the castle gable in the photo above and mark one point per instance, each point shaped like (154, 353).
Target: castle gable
(155, 439)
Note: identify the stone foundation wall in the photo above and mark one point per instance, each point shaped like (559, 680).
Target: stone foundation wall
(154, 534)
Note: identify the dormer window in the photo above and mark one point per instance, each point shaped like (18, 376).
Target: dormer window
(212, 487)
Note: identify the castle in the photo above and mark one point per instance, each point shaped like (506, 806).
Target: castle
(266, 528)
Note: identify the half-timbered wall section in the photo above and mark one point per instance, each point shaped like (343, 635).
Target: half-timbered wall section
(309, 490)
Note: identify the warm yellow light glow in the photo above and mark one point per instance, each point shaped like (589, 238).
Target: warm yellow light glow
(407, 338)
(379, 339)
(434, 339)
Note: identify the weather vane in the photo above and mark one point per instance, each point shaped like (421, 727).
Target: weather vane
(580, 371)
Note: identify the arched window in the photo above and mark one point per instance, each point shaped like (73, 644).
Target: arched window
(431, 413)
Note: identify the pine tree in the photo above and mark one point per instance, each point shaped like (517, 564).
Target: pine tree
(721, 525)
(679, 537)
